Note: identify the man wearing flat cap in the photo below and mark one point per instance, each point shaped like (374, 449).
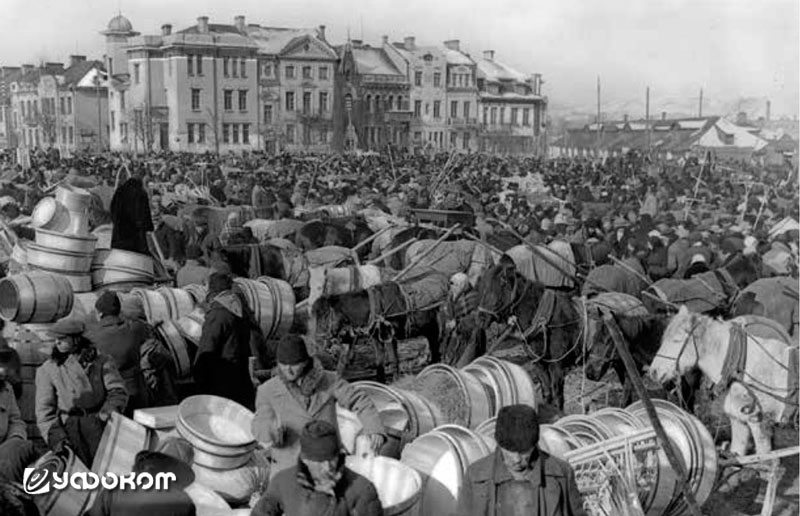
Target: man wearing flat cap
(519, 479)
(319, 483)
(122, 340)
(300, 392)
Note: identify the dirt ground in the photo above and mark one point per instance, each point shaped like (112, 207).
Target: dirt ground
(584, 396)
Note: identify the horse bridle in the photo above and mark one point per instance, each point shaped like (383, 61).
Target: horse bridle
(510, 305)
(690, 335)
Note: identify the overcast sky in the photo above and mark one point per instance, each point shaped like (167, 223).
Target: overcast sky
(731, 48)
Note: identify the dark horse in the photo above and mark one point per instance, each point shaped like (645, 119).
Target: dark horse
(555, 344)
(348, 319)
(397, 260)
(269, 262)
(642, 335)
(320, 233)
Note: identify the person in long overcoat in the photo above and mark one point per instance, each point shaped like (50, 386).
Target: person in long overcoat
(300, 392)
(228, 340)
(77, 389)
(16, 451)
(519, 478)
(130, 214)
(319, 483)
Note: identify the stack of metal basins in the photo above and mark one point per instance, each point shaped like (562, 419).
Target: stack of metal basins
(63, 243)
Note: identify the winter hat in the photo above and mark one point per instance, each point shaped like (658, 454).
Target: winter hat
(517, 428)
(219, 282)
(66, 328)
(108, 303)
(292, 350)
(319, 441)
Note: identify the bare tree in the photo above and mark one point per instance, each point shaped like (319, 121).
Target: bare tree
(215, 128)
(47, 122)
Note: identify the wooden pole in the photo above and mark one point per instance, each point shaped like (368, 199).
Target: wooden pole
(425, 253)
(391, 252)
(369, 239)
(597, 142)
(647, 118)
(633, 372)
(630, 269)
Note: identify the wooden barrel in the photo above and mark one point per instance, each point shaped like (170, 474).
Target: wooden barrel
(395, 412)
(179, 301)
(476, 396)
(50, 214)
(235, 485)
(198, 292)
(554, 440)
(586, 429)
(191, 325)
(66, 502)
(122, 439)
(156, 306)
(35, 297)
(77, 201)
(181, 352)
(58, 260)
(508, 383)
(272, 303)
(207, 502)
(399, 487)
(425, 415)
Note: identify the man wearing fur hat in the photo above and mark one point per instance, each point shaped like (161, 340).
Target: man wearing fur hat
(300, 392)
(519, 479)
(319, 483)
(227, 341)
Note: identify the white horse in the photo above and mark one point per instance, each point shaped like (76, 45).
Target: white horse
(756, 398)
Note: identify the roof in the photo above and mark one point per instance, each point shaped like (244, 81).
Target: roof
(495, 71)
(373, 61)
(217, 28)
(272, 40)
(120, 23)
(74, 74)
(456, 57)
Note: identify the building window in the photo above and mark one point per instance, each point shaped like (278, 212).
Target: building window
(290, 133)
(234, 69)
(199, 65)
(306, 72)
(225, 64)
(323, 102)
(190, 65)
(243, 66)
(71, 133)
(235, 131)
(453, 140)
(466, 110)
(246, 133)
(69, 104)
(417, 78)
(289, 101)
(306, 102)
(123, 130)
(227, 100)
(502, 115)
(242, 100)
(493, 116)
(399, 103)
(454, 109)
(437, 79)
(64, 133)
(195, 99)
(514, 113)
(526, 117)
(437, 108)
(465, 142)
(62, 106)
(226, 133)
(368, 106)
(290, 72)
(323, 73)
(121, 102)
(112, 121)
(268, 114)
(417, 108)
(190, 133)
(136, 73)
(418, 136)
(201, 133)
(268, 70)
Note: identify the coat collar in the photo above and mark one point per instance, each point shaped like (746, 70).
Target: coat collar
(110, 320)
(497, 472)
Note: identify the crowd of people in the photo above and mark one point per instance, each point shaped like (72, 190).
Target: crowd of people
(678, 219)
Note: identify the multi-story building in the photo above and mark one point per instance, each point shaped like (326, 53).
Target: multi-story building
(194, 90)
(426, 69)
(512, 109)
(462, 99)
(296, 88)
(8, 74)
(372, 100)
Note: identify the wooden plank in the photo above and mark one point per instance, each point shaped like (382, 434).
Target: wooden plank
(633, 372)
(773, 479)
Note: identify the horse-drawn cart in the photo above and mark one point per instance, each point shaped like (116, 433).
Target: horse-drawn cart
(444, 218)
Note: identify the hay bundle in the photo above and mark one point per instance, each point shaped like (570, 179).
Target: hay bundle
(443, 392)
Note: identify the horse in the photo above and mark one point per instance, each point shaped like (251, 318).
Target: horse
(775, 298)
(548, 320)
(710, 292)
(397, 260)
(382, 314)
(319, 233)
(758, 376)
(616, 278)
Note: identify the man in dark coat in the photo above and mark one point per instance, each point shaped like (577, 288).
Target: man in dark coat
(519, 479)
(130, 214)
(320, 483)
(229, 338)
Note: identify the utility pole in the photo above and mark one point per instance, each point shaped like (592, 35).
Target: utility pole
(598, 115)
(647, 118)
(700, 107)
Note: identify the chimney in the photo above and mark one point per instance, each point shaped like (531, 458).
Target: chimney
(537, 84)
(321, 32)
(488, 55)
(385, 40)
(408, 42)
(73, 60)
(239, 22)
(663, 115)
(166, 29)
(202, 24)
(769, 106)
(453, 44)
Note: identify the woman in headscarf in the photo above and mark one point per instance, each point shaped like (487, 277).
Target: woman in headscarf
(77, 390)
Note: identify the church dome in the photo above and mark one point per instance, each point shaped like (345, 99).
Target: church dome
(120, 23)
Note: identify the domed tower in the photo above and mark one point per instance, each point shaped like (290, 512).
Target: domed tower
(117, 34)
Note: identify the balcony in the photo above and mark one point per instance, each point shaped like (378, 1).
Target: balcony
(397, 116)
(462, 122)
